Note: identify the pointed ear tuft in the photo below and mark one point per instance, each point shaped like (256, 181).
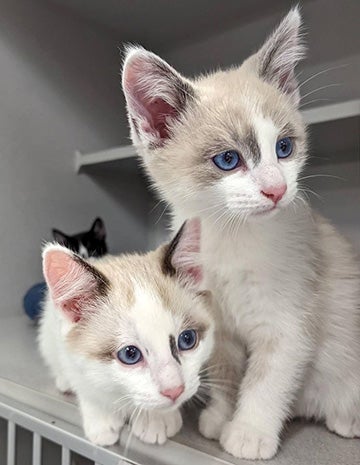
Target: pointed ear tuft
(182, 254)
(73, 283)
(155, 94)
(98, 229)
(278, 57)
(60, 237)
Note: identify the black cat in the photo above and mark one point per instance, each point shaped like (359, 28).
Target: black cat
(87, 244)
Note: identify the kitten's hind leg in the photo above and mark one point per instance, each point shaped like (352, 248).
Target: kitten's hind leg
(342, 402)
(213, 418)
(336, 401)
(347, 426)
(342, 407)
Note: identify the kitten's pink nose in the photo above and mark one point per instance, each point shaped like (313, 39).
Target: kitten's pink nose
(275, 193)
(173, 393)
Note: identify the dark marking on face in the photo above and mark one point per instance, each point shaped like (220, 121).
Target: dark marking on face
(254, 149)
(174, 349)
(105, 357)
(167, 266)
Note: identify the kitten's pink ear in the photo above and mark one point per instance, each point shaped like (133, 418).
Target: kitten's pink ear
(155, 94)
(276, 60)
(73, 283)
(182, 255)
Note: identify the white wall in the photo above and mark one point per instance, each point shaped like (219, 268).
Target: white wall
(341, 206)
(331, 33)
(59, 91)
(335, 192)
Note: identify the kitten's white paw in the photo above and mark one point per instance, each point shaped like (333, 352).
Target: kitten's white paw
(211, 423)
(155, 427)
(103, 437)
(347, 427)
(245, 441)
(63, 385)
(103, 431)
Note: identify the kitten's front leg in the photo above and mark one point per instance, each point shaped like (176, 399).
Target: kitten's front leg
(155, 426)
(101, 426)
(275, 368)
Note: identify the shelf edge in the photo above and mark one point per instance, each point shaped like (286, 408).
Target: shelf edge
(316, 115)
(116, 153)
(332, 112)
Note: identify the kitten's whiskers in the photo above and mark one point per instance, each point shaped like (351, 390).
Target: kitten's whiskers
(318, 89)
(319, 73)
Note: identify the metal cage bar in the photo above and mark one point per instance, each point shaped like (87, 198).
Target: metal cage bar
(43, 426)
(36, 455)
(11, 443)
(71, 439)
(65, 456)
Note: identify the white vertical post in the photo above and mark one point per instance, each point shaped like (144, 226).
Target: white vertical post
(65, 456)
(11, 443)
(36, 455)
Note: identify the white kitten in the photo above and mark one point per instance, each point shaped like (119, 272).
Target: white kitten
(229, 147)
(129, 335)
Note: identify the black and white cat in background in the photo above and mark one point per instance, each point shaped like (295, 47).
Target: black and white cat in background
(87, 244)
(91, 243)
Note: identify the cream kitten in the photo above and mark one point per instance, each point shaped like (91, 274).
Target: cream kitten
(228, 147)
(128, 335)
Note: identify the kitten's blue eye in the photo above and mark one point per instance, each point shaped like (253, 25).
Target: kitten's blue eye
(227, 161)
(130, 355)
(187, 339)
(284, 147)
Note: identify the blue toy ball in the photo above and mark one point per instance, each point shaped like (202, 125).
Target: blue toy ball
(33, 300)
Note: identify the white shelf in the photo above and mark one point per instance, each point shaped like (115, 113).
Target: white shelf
(25, 385)
(315, 115)
(332, 112)
(118, 153)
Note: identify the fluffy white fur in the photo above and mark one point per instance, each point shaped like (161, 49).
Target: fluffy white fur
(287, 283)
(96, 307)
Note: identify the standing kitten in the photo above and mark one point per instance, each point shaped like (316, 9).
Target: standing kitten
(90, 243)
(129, 335)
(229, 147)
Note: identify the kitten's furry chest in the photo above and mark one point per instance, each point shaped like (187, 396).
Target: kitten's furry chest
(261, 277)
(244, 293)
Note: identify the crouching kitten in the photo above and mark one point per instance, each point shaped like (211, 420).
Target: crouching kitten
(128, 335)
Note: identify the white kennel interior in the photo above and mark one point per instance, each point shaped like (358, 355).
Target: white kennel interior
(38, 426)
